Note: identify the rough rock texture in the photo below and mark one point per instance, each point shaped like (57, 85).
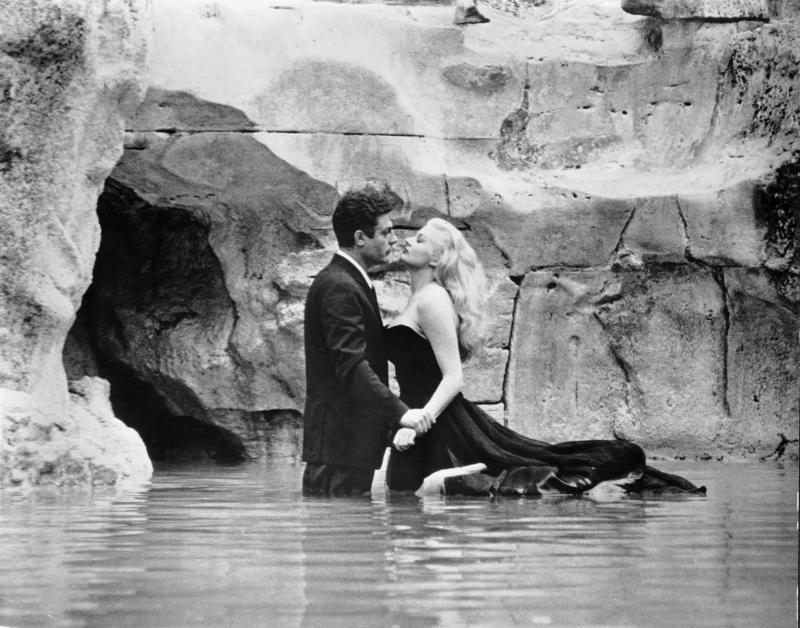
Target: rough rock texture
(184, 290)
(701, 9)
(69, 73)
(87, 446)
(631, 184)
(200, 283)
(761, 365)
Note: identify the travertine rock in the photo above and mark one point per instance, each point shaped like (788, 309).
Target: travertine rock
(656, 231)
(87, 445)
(700, 9)
(69, 71)
(237, 242)
(346, 161)
(559, 228)
(636, 354)
(646, 162)
(666, 330)
(763, 385)
(167, 110)
(564, 382)
(206, 324)
(722, 227)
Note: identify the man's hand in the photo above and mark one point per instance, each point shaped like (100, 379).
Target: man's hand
(404, 438)
(418, 420)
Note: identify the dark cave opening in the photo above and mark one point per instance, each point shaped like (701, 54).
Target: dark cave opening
(154, 269)
(167, 436)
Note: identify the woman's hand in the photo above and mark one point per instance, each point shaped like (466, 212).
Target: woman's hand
(418, 420)
(404, 438)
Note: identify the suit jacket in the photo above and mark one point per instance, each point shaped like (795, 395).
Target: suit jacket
(349, 410)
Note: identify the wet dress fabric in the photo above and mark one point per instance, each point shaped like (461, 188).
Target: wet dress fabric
(464, 434)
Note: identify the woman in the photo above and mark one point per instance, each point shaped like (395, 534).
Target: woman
(443, 323)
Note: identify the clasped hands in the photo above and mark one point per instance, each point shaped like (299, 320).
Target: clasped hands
(415, 422)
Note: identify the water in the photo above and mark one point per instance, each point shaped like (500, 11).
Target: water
(239, 546)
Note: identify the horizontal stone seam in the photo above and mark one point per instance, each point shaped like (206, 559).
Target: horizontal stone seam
(715, 20)
(261, 411)
(651, 262)
(172, 130)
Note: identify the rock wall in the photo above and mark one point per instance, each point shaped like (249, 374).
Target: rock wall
(630, 182)
(70, 71)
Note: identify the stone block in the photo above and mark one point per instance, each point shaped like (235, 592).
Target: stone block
(666, 330)
(722, 226)
(763, 354)
(329, 96)
(656, 231)
(556, 228)
(655, 112)
(501, 296)
(639, 355)
(466, 195)
(556, 84)
(413, 167)
(172, 110)
(563, 381)
(484, 375)
(495, 410)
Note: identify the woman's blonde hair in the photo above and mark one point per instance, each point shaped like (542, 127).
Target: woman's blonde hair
(461, 274)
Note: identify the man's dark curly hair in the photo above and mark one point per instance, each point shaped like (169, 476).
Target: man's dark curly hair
(359, 210)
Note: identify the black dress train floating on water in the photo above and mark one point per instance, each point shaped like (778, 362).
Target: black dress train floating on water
(464, 434)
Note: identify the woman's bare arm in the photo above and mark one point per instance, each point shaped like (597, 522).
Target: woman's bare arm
(438, 321)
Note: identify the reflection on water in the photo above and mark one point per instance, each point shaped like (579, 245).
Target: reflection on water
(239, 546)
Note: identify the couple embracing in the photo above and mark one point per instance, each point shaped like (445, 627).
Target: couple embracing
(439, 440)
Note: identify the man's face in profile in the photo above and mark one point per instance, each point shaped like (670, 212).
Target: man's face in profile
(378, 248)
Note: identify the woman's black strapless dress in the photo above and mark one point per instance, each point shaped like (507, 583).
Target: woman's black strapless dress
(464, 434)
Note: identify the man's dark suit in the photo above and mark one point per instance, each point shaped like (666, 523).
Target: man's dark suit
(349, 409)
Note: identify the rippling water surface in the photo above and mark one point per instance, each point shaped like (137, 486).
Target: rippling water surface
(239, 546)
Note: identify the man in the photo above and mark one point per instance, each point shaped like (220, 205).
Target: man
(349, 409)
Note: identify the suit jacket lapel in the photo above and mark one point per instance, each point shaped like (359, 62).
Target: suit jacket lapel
(374, 300)
(359, 278)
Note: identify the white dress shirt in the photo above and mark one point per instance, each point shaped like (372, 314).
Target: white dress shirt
(357, 265)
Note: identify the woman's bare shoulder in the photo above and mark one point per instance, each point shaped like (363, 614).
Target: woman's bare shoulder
(434, 299)
(434, 292)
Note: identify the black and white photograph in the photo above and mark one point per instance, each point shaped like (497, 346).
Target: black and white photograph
(399, 313)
